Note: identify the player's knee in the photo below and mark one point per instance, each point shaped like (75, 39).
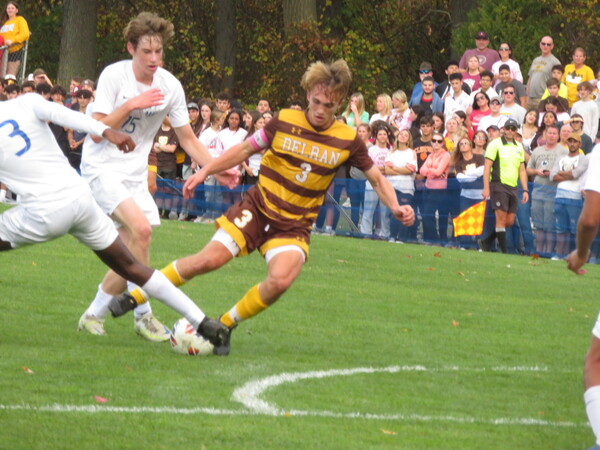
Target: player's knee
(279, 283)
(142, 235)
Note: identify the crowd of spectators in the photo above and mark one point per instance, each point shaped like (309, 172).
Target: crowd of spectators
(430, 145)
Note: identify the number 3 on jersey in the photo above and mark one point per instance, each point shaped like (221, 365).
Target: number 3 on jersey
(17, 132)
(241, 222)
(306, 168)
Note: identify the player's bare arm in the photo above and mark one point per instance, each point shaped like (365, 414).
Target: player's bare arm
(524, 181)
(230, 159)
(587, 227)
(386, 193)
(121, 140)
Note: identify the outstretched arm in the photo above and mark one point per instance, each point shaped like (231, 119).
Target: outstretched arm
(231, 158)
(386, 193)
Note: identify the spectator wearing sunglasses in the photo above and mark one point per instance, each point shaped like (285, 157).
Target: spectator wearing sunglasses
(540, 71)
(425, 71)
(510, 107)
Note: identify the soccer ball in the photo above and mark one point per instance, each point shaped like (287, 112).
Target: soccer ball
(185, 340)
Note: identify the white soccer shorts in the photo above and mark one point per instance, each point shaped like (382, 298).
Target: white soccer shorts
(110, 191)
(82, 218)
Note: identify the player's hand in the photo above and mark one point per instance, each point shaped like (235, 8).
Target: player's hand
(575, 262)
(229, 178)
(152, 97)
(406, 215)
(485, 193)
(191, 183)
(121, 140)
(525, 197)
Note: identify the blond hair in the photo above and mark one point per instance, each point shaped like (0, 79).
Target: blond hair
(334, 76)
(148, 24)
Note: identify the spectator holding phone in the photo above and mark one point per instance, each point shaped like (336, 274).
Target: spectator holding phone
(544, 192)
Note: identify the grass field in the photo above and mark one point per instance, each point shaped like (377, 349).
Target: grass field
(376, 345)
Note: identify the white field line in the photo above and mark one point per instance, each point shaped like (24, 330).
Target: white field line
(249, 396)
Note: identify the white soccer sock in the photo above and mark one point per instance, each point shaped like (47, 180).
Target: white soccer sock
(141, 310)
(2, 194)
(592, 407)
(99, 306)
(160, 288)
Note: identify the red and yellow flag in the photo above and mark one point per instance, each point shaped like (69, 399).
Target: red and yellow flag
(470, 221)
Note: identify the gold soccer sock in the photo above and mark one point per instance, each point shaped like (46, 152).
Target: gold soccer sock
(250, 305)
(170, 272)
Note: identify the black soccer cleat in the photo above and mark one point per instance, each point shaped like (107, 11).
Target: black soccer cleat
(121, 304)
(215, 332)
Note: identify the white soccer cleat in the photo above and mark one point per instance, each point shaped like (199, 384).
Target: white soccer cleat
(91, 324)
(150, 328)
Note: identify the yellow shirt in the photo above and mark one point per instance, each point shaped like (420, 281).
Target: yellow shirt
(572, 77)
(17, 31)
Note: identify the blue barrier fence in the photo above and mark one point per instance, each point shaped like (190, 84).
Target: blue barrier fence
(545, 225)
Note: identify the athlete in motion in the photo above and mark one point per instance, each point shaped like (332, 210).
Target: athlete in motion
(54, 200)
(587, 228)
(135, 96)
(303, 152)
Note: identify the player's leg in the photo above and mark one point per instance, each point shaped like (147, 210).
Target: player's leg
(284, 266)
(592, 385)
(120, 259)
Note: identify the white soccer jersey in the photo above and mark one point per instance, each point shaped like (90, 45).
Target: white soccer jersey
(31, 163)
(116, 85)
(592, 181)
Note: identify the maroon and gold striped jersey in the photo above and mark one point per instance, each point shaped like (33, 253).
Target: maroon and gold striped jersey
(300, 163)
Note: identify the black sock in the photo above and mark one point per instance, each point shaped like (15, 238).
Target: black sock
(501, 235)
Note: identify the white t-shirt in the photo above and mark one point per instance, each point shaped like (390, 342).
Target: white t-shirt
(116, 85)
(377, 155)
(210, 139)
(400, 158)
(378, 116)
(230, 138)
(488, 121)
(31, 163)
(592, 176)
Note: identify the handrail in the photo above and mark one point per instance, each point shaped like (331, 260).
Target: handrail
(23, 67)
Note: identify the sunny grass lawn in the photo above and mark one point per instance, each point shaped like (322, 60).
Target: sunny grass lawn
(357, 304)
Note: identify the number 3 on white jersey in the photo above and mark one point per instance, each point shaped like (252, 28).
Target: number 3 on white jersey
(241, 222)
(306, 168)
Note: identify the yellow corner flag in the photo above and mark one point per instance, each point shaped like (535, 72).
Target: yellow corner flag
(470, 221)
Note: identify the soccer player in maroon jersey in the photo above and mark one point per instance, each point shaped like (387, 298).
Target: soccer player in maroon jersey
(303, 152)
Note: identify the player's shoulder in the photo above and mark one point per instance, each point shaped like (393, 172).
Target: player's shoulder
(166, 77)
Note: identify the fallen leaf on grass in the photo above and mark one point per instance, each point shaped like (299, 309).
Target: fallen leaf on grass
(408, 256)
(535, 257)
(430, 268)
(342, 260)
(33, 263)
(437, 254)
(460, 274)
(393, 433)
(27, 370)
(100, 399)
(455, 323)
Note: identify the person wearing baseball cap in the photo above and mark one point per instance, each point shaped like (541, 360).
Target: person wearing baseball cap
(504, 168)
(487, 56)
(425, 70)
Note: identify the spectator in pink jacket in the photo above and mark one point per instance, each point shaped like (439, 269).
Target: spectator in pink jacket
(435, 170)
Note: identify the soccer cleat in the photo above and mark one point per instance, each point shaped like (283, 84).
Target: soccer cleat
(121, 304)
(91, 324)
(214, 331)
(150, 328)
(484, 244)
